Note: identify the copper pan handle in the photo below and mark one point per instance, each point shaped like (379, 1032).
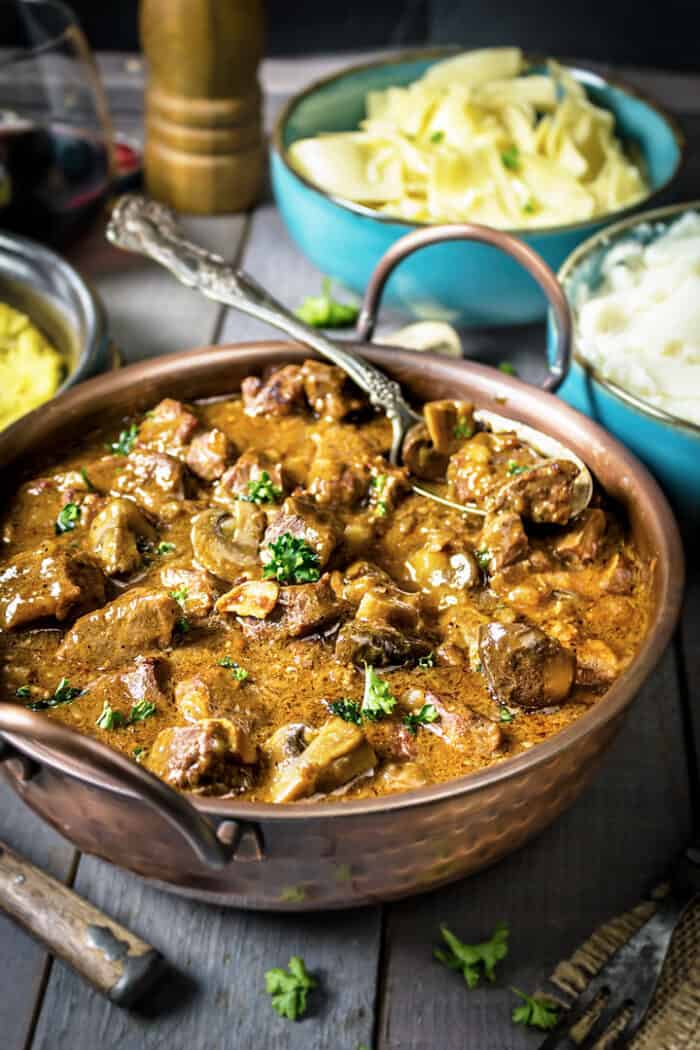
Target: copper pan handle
(89, 759)
(505, 242)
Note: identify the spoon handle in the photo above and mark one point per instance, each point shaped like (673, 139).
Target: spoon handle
(149, 228)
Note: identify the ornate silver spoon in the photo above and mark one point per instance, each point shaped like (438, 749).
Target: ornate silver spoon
(148, 228)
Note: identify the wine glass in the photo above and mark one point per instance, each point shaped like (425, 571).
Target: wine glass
(55, 132)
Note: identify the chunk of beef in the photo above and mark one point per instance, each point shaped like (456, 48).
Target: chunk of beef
(138, 621)
(280, 394)
(389, 605)
(448, 423)
(145, 679)
(618, 576)
(304, 520)
(524, 666)
(543, 494)
(209, 454)
(52, 581)
(465, 730)
(197, 590)
(248, 468)
(226, 541)
(379, 644)
(580, 544)
(210, 693)
(503, 536)
(213, 757)
(337, 482)
(329, 391)
(336, 755)
(255, 598)
(361, 577)
(114, 535)
(104, 472)
(391, 740)
(155, 481)
(167, 428)
(301, 610)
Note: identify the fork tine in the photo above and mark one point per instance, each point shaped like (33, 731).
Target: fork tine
(573, 1015)
(602, 1023)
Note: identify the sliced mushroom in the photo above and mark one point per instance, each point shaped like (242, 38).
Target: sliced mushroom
(336, 755)
(226, 541)
(421, 457)
(253, 598)
(114, 533)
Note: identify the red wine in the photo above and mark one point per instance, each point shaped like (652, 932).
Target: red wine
(53, 179)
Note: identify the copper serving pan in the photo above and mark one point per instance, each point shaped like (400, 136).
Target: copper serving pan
(337, 854)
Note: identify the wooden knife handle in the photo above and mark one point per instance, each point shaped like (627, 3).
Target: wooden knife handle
(114, 960)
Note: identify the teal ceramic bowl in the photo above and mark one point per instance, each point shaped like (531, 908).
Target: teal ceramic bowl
(466, 284)
(669, 446)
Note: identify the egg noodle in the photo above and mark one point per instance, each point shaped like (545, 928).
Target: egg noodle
(31, 370)
(478, 138)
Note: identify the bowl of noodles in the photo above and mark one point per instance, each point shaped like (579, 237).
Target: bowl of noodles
(545, 151)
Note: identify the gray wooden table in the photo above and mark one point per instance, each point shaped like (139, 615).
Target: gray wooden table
(380, 986)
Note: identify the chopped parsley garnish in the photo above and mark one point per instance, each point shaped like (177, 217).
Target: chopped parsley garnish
(474, 961)
(535, 1012)
(323, 311)
(165, 548)
(262, 490)
(507, 368)
(428, 713)
(292, 561)
(67, 519)
(483, 558)
(506, 715)
(378, 486)
(511, 158)
(238, 672)
(182, 625)
(378, 699)
(88, 484)
(23, 692)
(348, 710)
(125, 442)
(437, 136)
(180, 595)
(515, 468)
(289, 988)
(111, 719)
(462, 429)
(139, 753)
(427, 661)
(63, 694)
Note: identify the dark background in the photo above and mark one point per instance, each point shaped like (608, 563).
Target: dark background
(632, 32)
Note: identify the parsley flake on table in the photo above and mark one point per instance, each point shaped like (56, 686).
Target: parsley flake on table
(67, 518)
(511, 158)
(474, 961)
(535, 1012)
(378, 700)
(323, 311)
(289, 988)
(262, 490)
(64, 693)
(428, 713)
(292, 561)
(348, 710)
(125, 442)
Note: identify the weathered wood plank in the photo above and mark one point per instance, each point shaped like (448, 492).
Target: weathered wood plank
(596, 861)
(218, 998)
(21, 957)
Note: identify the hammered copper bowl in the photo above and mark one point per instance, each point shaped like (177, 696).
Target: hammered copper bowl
(337, 854)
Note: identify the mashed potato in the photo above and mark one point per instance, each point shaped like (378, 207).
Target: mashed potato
(31, 370)
(640, 328)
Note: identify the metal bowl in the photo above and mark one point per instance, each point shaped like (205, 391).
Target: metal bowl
(336, 854)
(669, 446)
(462, 283)
(44, 286)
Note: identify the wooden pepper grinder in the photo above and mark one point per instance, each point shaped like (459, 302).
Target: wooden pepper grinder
(204, 150)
